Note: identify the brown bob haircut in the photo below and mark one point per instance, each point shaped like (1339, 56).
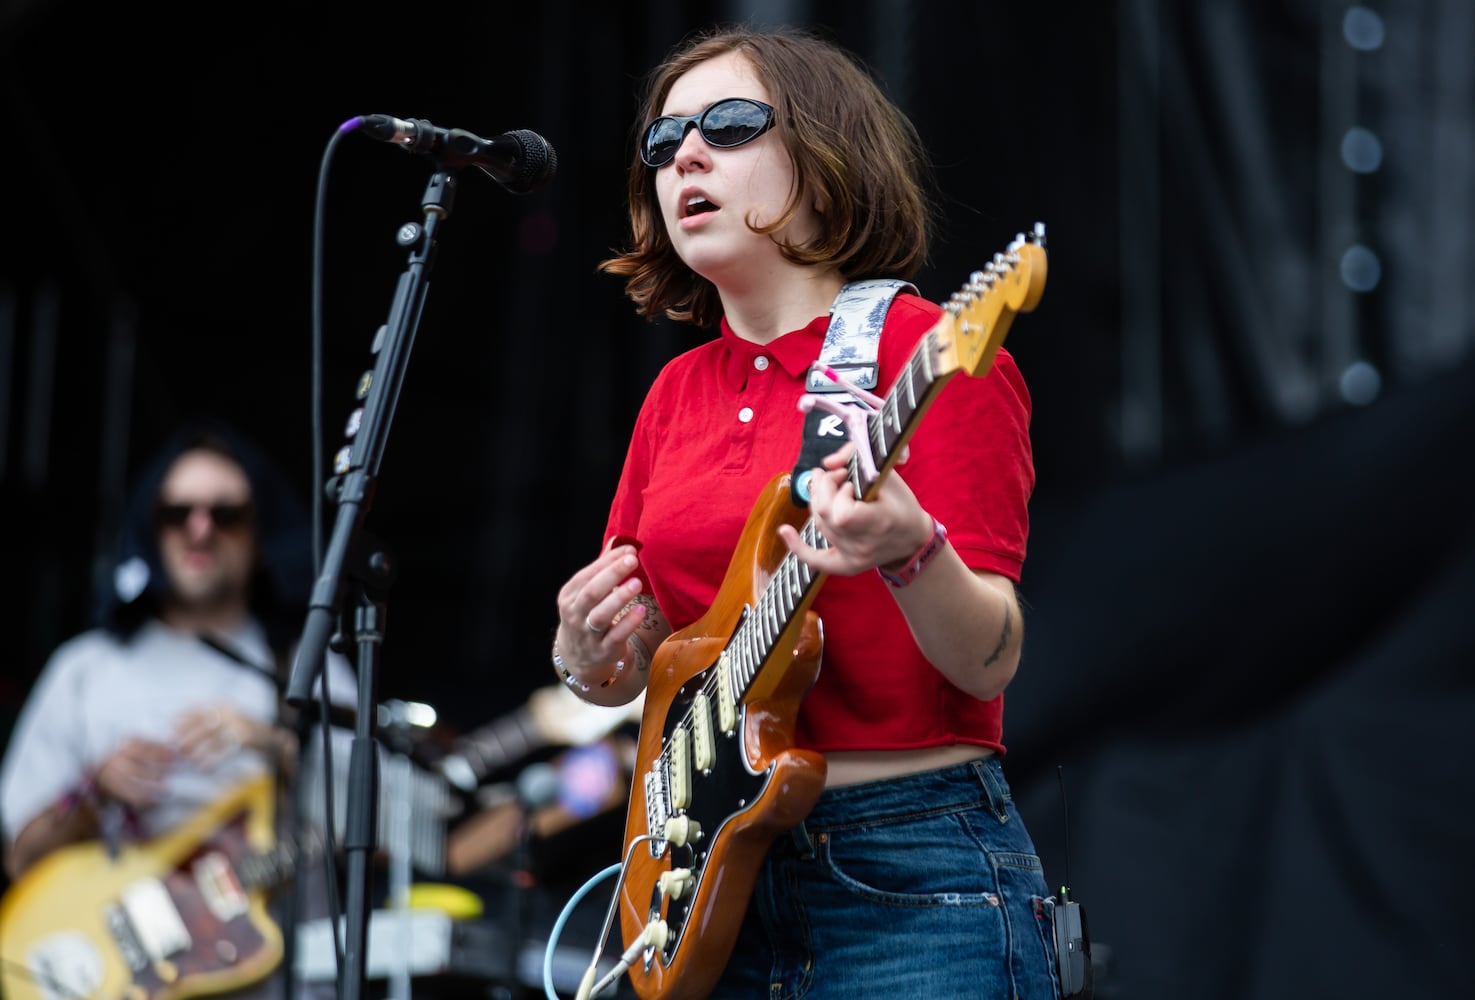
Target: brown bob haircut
(854, 152)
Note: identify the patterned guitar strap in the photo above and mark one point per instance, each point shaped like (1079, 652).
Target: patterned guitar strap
(850, 348)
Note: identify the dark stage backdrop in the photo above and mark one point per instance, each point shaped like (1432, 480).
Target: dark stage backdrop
(1252, 563)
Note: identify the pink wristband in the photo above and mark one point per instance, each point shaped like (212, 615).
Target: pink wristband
(909, 569)
(84, 792)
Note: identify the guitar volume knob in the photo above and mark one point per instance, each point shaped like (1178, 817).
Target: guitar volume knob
(681, 830)
(675, 882)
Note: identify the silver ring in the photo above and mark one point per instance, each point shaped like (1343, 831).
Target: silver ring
(590, 626)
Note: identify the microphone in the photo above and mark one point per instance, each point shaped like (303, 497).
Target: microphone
(520, 160)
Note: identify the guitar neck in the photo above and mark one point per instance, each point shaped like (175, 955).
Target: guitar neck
(273, 867)
(794, 584)
(891, 425)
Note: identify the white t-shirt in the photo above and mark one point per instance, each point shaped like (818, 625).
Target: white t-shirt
(97, 692)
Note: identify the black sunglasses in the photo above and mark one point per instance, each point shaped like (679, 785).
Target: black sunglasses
(730, 122)
(225, 516)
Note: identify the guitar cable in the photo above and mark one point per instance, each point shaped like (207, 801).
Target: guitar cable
(653, 934)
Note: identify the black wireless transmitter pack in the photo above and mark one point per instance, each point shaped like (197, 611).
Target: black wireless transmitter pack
(1072, 937)
(1072, 948)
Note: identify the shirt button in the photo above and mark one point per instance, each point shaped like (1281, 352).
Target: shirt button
(760, 363)
(745, 414)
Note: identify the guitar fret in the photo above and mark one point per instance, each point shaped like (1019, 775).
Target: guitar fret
(914, 391)
(258, 870)
(890, 417)
(788, 575)
(925, 358)
(247, 872)
(911, 385)
(737, 660)
(876, 431)
(751, 659)
(797, 574)
(903, 409)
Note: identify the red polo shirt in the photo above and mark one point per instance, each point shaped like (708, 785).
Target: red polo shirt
(721, 420)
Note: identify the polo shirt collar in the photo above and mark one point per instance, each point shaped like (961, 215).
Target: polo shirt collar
(795, 351)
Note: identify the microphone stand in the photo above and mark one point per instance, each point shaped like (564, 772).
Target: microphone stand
(353, 483)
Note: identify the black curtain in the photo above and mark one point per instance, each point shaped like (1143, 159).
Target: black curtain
(1248, 585)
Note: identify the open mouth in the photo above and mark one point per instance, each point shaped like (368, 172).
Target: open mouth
(698, 206)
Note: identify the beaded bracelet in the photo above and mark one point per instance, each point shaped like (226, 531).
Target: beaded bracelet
(85, 792)
(909, 569)
(577, 685)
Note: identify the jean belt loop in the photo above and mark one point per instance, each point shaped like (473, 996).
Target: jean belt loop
(990, 776)
(802, 842)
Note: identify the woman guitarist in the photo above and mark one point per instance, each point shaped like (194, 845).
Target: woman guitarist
(771, 171)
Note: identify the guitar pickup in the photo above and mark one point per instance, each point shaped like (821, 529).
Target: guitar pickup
(703, 754)
(129, 947)
(219, 888)
(151, 913)
(726, 696)
(680, 769)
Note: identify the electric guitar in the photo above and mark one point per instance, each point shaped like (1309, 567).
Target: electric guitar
(717, 776)
(178, 916)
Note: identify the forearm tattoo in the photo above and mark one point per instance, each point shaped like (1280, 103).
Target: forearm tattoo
(640, 647)
(638, 654)
(1004, 635)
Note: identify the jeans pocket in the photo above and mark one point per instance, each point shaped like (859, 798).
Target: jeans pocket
(936, 878)
(927, 860)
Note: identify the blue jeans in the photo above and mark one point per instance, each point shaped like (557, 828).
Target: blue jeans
(927, 885)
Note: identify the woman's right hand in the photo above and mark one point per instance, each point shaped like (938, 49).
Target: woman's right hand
(599, 609)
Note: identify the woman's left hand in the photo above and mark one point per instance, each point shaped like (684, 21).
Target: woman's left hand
(863, 534)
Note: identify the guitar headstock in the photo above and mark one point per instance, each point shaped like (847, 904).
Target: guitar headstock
(980, 312)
